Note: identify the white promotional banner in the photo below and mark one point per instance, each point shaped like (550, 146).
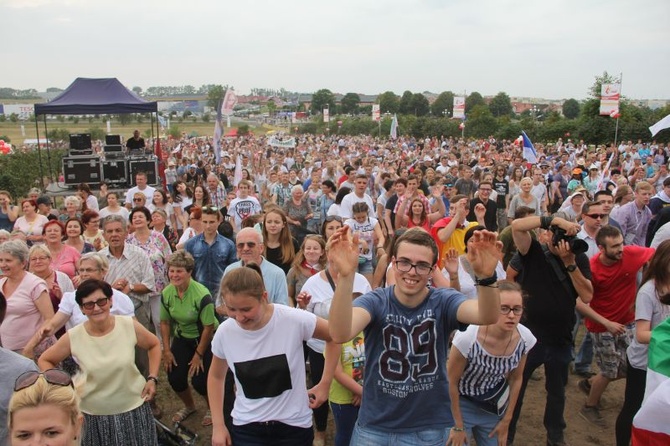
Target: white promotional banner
(376, 115)
(459, 107)
(326, 115)
(609, 98)
(276, 142)
(228, 103)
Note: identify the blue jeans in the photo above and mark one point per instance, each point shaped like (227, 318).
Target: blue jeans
(478, 423)
(345, 416)
(584, 356)
(271, 433)
(367, 436)
(556, 360)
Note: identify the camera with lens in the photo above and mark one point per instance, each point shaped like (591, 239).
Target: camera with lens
(577, 245)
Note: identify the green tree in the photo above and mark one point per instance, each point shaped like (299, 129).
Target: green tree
(571, 109)
(388, 102)
(419, 105)
(13, 117)
(215, 95)
(501, 105)
(473, 100)
(323, 98)
(97, 133)
(58, 134)
(605, 78)
(405, 107)
(137, 90)
(481, 122)
(243, 130)
(349, 103)
(21, 171)
(124, 119)
(5, 138)
(174, 131)
(445, 101)
(206, 117)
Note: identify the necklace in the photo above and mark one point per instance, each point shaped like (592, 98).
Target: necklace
(511, 335)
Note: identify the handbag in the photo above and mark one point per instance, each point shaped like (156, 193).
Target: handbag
(181, 436)
(495, 401)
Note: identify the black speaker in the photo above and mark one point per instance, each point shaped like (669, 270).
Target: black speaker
(81, 170)
(80, 141)
(115, 172)
(113, 140)
(148, 166)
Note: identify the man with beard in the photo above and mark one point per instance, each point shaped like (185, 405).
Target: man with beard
(610, 317)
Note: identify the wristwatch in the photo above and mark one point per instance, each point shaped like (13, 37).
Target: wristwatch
(152, 378)
(571, 268)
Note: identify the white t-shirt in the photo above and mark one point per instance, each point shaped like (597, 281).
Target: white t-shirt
(148, 193)
(322, 297)
(121, 306)
(350, 199)
(269, 367)
(365, 231)
(92, 203)
(241, 208)
(106, 212)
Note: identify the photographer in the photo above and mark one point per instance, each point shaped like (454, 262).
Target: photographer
(554, 276)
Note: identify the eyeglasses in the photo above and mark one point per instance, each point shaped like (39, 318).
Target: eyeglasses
(210, 209)
(88, 270)
(334, 218)
(596, 216)
(504, 309)
(422, 269)
(138, 199)
(52, 376)
(485, 190)
(39, 259)
(241, 245)
(102, 303)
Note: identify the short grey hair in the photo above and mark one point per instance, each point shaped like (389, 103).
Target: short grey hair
(72, 199)
(297, 188)
(100, 260)
(39, 248)
(115, 219)
(15, 248)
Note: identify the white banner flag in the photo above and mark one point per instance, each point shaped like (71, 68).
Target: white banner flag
(376, 115)
(228, 103)
(326, 115)
(609, 98)
(459, 107)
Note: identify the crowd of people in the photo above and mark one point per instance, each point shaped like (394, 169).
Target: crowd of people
(418, 283)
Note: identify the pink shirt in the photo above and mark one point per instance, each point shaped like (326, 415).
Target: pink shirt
(66, 261)
(23, 318)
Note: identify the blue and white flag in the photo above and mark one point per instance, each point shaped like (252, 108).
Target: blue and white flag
(162, 121)
(394, 127)
(529, 152)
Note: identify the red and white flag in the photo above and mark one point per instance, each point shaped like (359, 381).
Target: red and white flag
(615, 114)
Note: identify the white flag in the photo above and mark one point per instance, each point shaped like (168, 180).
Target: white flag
(229, 101)
(660, 125)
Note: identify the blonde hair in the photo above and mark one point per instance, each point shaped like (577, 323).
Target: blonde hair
(63, 397)
(300, 256)
(39, 248)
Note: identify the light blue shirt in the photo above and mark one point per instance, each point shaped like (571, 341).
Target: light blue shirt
(274, 279)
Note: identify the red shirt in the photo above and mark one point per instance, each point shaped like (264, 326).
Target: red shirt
(615, 288)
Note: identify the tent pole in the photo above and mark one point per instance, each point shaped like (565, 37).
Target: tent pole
(46, 132)
(39, 150)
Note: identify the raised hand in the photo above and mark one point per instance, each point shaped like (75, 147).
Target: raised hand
(483, 253)
(343, 252)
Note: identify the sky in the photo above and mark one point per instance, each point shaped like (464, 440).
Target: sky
(525, 48)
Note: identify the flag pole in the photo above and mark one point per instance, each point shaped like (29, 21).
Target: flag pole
(616, 129)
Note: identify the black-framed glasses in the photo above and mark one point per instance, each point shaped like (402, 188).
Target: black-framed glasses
(596, 216)
(52, 376)
(504, 309)
(102, 303)
(241, 245)
(422, 269)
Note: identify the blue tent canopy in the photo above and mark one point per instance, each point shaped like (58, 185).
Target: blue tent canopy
(96, 96)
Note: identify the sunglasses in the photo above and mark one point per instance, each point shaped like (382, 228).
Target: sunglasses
(210, 209)
(52, 376)
(241, 245)
(102, 303)
(334, 218)
(596, 216)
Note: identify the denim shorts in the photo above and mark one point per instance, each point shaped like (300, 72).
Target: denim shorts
(365, 267)
(367, 436)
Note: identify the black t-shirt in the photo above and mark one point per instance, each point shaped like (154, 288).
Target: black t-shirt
(502, 189)
(390, 205)
(550, 307)
(135, 144)
(490, 218)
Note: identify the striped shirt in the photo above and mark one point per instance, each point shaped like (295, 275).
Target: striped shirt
(134, 266)
(485, 371)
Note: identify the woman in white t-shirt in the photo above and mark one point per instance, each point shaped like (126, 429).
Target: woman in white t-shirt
(262, 344)
(485, 370)
(370, 237)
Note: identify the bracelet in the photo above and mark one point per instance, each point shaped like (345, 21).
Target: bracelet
(152, 378)
(458, 429)
(453, 278)
(545, 222)
(198, 353)
(488, 281)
